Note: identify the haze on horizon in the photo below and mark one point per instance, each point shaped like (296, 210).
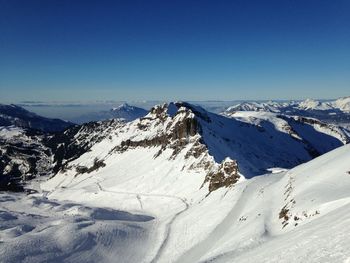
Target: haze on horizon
(178, 50)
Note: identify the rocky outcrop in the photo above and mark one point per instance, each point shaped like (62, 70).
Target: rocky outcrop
(77, 140)
(23, 156)
(28, 153)
(174, 132)
(96, 165)
(224, 175)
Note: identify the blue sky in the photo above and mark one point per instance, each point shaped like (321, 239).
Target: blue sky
(170, 50)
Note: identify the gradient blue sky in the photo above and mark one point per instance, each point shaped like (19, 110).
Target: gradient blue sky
(168, 50)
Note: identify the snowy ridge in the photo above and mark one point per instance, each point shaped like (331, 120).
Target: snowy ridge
(341, 104)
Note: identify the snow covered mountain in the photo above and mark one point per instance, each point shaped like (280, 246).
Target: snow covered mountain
(256, 146)
(12, 115)
(28, 153)
(250, 144)
(124, 111)
(332, 112)
(336, 106)
(23, 156)
(179, 185)
(343, 104)
(143, 205)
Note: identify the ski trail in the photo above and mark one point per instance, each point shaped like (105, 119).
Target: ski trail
(71, 184)
(139, 199)
(197, 251)
(168, 225)
(101, 188)
(167, 232)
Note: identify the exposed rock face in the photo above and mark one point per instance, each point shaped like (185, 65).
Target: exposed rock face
(23, 156)
(75, 141)
(97, 165)
(174, 132)
(26, 153)
(225, 175)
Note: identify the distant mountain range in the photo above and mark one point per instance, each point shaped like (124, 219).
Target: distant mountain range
(124, 111)
(336, 106)
(336, 111)
(12, 115)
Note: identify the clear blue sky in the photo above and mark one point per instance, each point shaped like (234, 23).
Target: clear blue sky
(191, 50)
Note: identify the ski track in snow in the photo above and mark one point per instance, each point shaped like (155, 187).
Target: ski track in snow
(168, 225)
(168, 231)
(139, 199)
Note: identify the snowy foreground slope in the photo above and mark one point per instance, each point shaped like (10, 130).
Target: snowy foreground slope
(160, 189)
(300, 215)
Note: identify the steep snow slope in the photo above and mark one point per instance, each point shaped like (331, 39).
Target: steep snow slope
(124, 111)
(267, 140)
(303, 216)
(14, 115)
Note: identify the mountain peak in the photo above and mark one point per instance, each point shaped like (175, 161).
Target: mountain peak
(124, 111)
(123, 106)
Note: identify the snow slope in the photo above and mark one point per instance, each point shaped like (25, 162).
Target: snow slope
(314, 223)
(336, 112)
